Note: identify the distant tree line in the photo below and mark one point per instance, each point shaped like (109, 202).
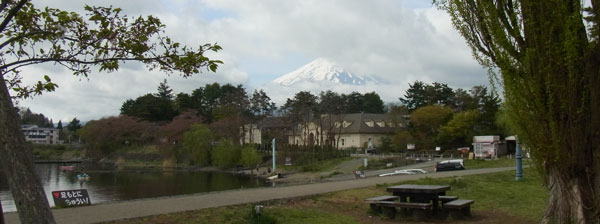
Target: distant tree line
(30, 118)
(67, 134)
(446, 117)
(196, 127)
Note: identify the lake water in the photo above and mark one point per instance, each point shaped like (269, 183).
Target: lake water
(114, 186)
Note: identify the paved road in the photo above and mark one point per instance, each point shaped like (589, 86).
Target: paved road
(147, 207)
(374, 173)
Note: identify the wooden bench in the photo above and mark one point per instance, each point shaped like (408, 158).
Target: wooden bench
(445, 199)
(373, 202)
(459, 208)
(414, 205)
(389, 207)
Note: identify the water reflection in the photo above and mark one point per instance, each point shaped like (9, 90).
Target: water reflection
(111, 186)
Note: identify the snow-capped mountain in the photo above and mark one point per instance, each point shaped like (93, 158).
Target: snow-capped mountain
(323, 71)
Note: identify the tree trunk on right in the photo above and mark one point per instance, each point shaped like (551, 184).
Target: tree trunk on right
(573, 199)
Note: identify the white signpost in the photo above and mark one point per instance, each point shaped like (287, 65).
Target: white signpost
(274, 158)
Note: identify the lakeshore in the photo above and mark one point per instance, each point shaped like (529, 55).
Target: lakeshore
(148, 207)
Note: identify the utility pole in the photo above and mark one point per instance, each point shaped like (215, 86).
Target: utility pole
(519, 162)
(274, 158)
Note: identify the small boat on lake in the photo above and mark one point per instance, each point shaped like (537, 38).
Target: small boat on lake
(83, 176)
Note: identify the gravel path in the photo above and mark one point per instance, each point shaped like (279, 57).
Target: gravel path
(154, 206)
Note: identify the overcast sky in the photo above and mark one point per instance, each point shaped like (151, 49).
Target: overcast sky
(397, 40)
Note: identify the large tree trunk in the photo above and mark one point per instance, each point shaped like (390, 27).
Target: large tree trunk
(17, 162)
(573, 199)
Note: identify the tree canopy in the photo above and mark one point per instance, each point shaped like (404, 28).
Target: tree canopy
(28, 117)
(546, 55)
(100, 40)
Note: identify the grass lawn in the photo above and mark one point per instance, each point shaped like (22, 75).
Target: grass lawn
(501, 162)
(498, 199)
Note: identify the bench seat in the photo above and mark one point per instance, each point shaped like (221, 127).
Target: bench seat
(458, 203)
(373, 202)
(445, 199)
(459, 208)
(381, 198)
(405, 204)
(389, 207)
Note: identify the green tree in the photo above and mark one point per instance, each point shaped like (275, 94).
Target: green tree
(164, 91)
(28, 117)
(101, 39)
(386, 144)
(214, 101)
(460, 130)
(261, 105)
(488, 104)
(225, 154)
(402, 138)
(301, 110)
(74, 125)
(354, 102)
(372, 103)
(549, 66)
(249, 158)
(197, 142)
(232, 102)
(420, 94)
(183, 102)
(331, 103)
(426, 122)
(463, 100)
(150, 108)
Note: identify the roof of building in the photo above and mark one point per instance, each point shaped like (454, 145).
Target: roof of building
(274, 122)
(34, 127)
(366, 123)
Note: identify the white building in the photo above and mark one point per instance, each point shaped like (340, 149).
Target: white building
(488, 147)
(345, 131)
(38, 135)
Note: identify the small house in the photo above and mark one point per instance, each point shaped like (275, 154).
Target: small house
(488, 147)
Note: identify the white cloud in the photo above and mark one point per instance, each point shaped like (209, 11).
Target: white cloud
(264, 39)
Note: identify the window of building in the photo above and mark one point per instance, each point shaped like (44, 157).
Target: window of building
(346, 124)
(342, 142)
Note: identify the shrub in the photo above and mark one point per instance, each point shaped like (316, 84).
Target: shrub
(108, 134)
(249, 157)
(197, 144)
(225, 154)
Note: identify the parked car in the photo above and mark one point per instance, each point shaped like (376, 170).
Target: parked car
(447, 165)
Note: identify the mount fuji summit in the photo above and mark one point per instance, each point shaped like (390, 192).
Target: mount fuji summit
(322, 71)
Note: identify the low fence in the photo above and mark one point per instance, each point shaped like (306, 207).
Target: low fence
(303, 154)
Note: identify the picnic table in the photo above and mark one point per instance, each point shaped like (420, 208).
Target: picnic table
(426, 199)
(420, 194)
